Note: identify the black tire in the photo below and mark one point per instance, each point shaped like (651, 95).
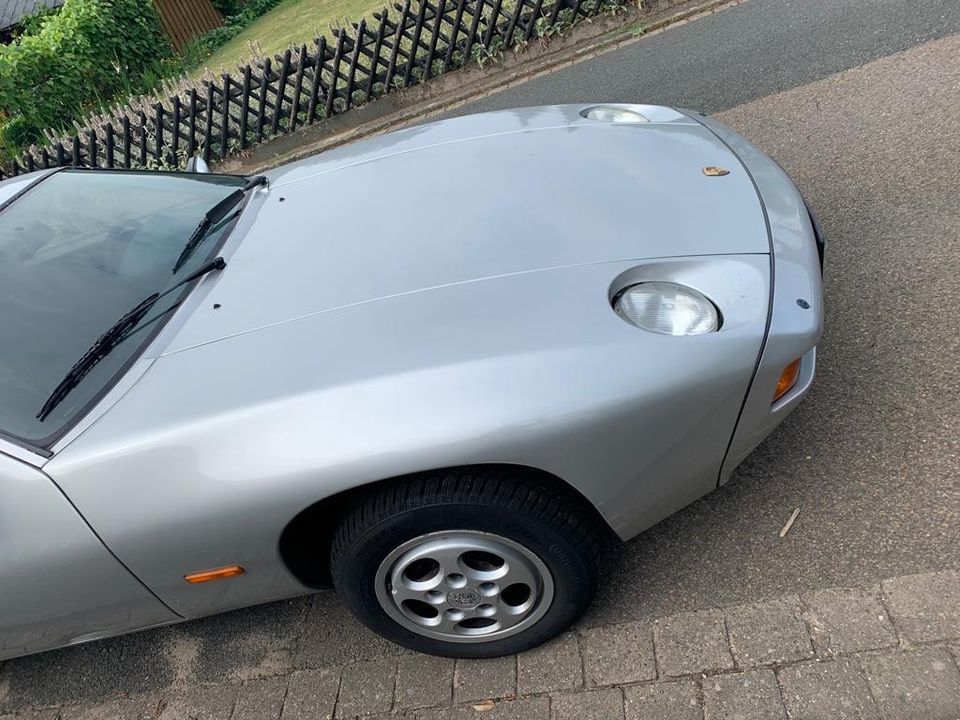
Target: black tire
(514, 504)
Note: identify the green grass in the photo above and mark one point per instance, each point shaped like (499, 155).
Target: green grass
(292, 22)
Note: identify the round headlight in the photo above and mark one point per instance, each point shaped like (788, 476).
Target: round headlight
(667, 308)
(613, 114)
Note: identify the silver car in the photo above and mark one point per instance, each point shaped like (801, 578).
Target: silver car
(435, 369)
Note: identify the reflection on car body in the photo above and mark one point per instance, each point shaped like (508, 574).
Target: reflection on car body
(212, 398)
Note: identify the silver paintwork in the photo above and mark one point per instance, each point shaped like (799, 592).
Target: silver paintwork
(794, 330)
(58, 583)
(198, 165)
(359, 340)
(9, 188)
(459, 591)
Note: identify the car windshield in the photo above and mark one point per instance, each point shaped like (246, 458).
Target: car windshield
(77, 251)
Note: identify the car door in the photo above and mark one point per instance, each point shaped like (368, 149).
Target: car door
(58, 583)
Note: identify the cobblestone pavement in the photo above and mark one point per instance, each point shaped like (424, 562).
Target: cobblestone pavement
(887, 652)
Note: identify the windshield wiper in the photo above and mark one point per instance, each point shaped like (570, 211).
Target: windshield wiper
(214, 215)
(113, 336)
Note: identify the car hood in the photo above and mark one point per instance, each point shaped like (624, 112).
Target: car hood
(473, 198)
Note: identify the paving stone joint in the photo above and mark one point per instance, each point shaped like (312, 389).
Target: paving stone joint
(879, 653)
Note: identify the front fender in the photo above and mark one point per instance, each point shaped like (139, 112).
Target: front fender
(215, 449)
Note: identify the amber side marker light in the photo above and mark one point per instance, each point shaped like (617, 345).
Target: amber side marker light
(788, 378)
(216, 574)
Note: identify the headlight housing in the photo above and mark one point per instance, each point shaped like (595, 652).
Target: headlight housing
(613, 114)
(667, 308)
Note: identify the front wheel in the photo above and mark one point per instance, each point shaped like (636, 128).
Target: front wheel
(467, 564)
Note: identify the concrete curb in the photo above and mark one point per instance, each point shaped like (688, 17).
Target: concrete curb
(422, 102)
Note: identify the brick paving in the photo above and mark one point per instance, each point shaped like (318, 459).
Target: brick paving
(887, 652)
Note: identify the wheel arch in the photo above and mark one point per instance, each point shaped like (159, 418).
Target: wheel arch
(306, 540)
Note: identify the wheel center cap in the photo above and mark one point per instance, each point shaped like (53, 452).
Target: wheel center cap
(463, 599)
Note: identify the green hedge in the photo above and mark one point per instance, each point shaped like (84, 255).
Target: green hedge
(76, 60)
(243, 14)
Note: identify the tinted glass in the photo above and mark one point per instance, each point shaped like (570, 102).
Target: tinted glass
(77, 251)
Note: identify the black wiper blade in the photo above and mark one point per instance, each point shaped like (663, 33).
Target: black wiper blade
(214, 215)
(255, 181)
(113, 336)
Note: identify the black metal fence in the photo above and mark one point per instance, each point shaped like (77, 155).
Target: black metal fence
(421, 39)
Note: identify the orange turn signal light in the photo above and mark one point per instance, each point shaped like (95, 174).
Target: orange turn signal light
(216, 574)
(788, 378)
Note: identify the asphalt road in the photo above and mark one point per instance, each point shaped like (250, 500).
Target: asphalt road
(743, 53)
(858, 99)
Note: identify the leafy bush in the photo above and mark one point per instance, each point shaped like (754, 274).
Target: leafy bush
(77, 59)
(228, 8)
(31, 24)
(14, 134)
(202, 47)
